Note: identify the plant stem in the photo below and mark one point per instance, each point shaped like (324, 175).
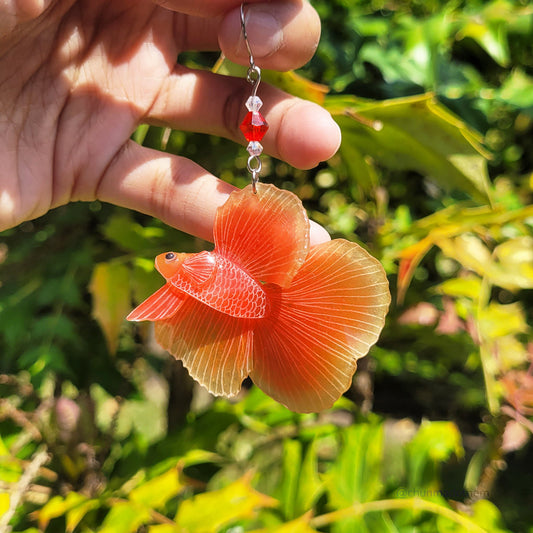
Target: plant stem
(414, 504)
(21, 487)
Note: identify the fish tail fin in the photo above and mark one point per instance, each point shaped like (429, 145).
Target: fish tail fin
(306, 350)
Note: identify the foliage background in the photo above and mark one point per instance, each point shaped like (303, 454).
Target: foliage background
(100, 431)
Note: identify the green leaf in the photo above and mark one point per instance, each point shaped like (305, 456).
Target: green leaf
(467, 287)
(514, 269)
(75, 515)
(301, 485)
(110, 289)
(10, 469)
(310, 485)
(289, 81)
(356, 474)
(497, 320)
(482, 513)
(510, 265)
(299, 525)
(292, 458)
(434, 443)
(165, 528)
(415, 133)
(156, 492)
(210, 511)
(491, 37)
(60, 506)
(517, 90)
(125, 517)
(129, 235)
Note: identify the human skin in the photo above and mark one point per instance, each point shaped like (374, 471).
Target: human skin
(78, 77)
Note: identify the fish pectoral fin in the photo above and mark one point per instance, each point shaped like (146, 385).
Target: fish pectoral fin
(164, 303)
(199, 267)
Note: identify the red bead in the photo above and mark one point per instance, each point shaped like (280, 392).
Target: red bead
(254, 126)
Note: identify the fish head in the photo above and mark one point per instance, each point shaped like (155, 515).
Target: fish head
(169, 264)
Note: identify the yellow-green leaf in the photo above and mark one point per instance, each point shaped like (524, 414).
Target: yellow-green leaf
(125, 517)
(156, 492)
(75, 515)
(289, 81)
(165, 528)
(59, 506)
(415, 133)
(4, 503)
(300, 525)
(515, 263)
(467, 287)
(110, 289)
(497, 320)
(210, 511)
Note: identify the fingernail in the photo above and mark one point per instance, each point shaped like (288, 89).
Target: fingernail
(264, 33)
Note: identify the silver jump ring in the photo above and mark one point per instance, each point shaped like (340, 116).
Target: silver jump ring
(254, 164)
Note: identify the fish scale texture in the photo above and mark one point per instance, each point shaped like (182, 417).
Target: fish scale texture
(229, 290)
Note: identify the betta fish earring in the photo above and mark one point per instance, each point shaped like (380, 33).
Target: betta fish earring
(263, 303)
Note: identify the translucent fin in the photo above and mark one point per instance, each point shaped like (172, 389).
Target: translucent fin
(214, 347)
(305, 352)
(266, 234)
(164, 303)
(199, 267)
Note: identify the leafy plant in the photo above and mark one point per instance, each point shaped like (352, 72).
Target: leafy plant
(100, 431)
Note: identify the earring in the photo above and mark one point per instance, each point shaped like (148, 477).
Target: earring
(263, 303)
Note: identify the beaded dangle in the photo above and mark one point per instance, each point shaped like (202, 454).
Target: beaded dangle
(254, 126)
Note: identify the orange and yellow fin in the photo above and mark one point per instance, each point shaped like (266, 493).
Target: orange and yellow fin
(266, 234)
(306, 351)
(214, 347)
(164, 303)
(199, 267)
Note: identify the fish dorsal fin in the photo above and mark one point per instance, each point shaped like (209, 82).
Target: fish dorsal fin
(267, 233)
(199, 267)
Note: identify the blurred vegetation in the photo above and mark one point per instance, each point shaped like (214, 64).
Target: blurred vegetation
(100, 431)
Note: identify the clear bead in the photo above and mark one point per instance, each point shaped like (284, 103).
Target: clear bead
(254, 148)
(254, 104)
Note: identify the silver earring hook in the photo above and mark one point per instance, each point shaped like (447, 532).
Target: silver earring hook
(245, 36)
(254, 72)
(253, 104)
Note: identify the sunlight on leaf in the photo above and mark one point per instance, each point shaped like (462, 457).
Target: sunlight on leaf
(415, 133)
(4, 503)
(156, 492)
(59, 506)
(125, 517)
(110, 289)
(208, 512)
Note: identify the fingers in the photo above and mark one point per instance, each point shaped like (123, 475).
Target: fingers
(173, 189)
(301, 133)
(283, 35)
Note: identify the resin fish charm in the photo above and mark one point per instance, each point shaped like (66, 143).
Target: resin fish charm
(265, 305)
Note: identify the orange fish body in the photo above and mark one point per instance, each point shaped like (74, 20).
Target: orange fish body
(262, 304)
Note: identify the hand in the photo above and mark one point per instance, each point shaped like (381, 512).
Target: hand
(77, 78)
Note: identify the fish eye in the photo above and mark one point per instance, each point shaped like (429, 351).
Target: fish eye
(170, 256)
